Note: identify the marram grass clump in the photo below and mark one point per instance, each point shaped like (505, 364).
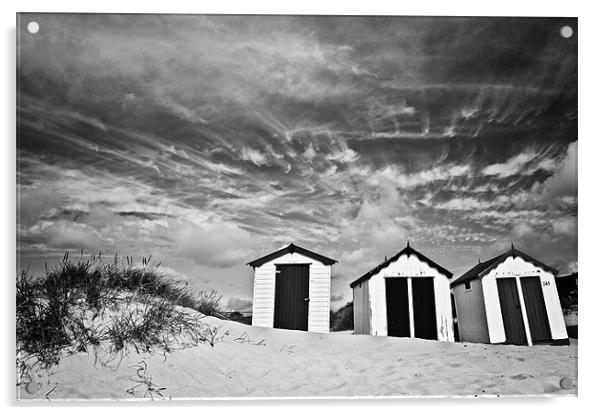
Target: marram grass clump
(87, 303)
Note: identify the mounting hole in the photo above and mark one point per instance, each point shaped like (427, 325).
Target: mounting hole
(566, 31)
(33, 27)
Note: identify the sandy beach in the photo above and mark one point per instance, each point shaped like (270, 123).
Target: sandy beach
(259, 362)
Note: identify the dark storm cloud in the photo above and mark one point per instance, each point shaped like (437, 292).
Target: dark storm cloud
(211, 140)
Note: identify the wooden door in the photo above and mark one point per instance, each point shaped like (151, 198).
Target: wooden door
(292, 297)
(539, 325)
(425, 317)
(398, 312)
(512, 316)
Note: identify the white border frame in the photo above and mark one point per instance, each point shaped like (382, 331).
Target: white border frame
(589, 150)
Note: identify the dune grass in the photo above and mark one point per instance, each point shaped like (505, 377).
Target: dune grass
(86, 302)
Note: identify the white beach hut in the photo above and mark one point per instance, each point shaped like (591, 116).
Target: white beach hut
(292, 290)
(407, 295)
(510, 299)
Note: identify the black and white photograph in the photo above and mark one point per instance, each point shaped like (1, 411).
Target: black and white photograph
(295, 206)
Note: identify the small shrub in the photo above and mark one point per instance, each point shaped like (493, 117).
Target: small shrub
(208, 303)
(342, 319)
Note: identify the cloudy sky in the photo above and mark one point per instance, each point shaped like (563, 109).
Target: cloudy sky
(209, 141)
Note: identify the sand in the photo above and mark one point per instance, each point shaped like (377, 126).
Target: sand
(260, 362)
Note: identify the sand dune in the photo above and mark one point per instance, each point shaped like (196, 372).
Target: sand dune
(258, 362)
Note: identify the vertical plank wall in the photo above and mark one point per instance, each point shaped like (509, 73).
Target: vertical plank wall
(361, 309)
(470, 309)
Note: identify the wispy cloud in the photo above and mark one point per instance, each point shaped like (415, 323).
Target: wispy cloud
(218, 138)
(525, 163)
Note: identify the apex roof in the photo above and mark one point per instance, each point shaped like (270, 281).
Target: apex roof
(483, 268)
(408, 250)
(289, 250)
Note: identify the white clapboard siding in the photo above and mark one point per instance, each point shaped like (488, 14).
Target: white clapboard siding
(319, 298)
(264, 291)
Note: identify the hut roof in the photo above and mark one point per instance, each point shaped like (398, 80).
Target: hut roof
(289, 250)
(482, 268)
(408, 250)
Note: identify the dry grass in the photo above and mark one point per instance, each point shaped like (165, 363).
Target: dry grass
(84, 303)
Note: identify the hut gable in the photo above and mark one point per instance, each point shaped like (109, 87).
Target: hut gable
(407, 251)
(290, 249)
(483, 268)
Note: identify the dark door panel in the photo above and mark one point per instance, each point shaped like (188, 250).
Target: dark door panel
(292, 297)
(512, 317)
(425, 317)
(539, 325)
(398, 314)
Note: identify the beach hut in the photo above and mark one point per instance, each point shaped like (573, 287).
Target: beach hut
(408, 295)
(292, 290)
(510, 299)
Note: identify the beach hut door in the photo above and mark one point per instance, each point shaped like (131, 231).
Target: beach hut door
(292, 297)
(425, 317)
(398, 312)
(512, 316)
(539, 326)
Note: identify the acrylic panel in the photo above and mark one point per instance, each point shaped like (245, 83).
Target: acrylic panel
(176, 173)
